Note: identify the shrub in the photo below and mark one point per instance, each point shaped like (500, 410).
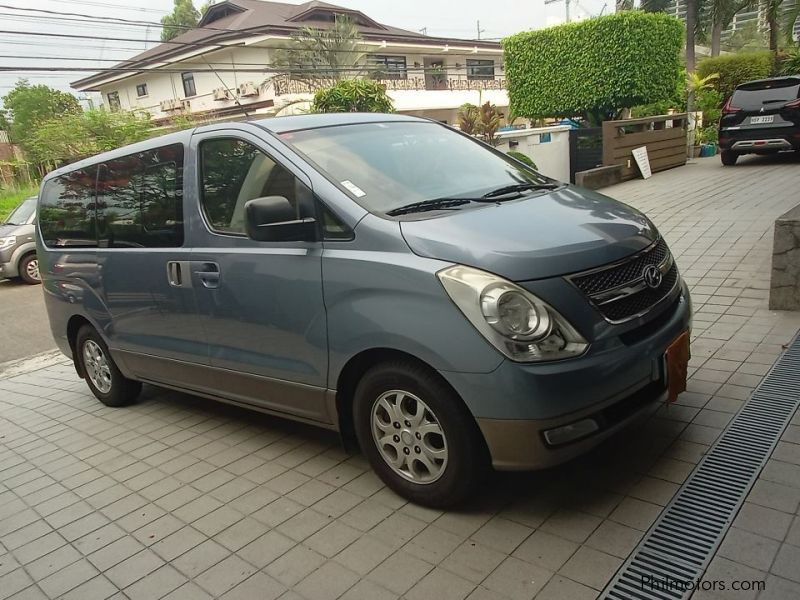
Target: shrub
(735, 69)
(791, 63)
(709, 102)
(468, 118)
(352, 95)
(594, 67)
(522, 157)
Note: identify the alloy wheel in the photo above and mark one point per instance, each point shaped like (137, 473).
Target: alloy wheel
(409, 437)
(96, 365)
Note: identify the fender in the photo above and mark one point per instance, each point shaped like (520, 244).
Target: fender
(21, 251)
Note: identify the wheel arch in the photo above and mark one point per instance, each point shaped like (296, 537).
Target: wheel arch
(355, 368)
(73, 327)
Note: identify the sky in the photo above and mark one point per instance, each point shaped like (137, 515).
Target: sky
(449, 18)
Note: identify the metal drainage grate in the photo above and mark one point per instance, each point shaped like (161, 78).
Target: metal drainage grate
(680, 544)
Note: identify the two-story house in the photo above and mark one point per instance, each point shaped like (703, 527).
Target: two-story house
(225, 66)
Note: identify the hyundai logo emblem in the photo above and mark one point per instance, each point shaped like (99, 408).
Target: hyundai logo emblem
(652, 276)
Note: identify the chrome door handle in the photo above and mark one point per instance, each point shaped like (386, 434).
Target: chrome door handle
(179, 273)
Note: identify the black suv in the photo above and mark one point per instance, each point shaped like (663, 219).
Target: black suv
(761, 117)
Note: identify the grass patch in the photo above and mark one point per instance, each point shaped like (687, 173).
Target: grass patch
(9, 198)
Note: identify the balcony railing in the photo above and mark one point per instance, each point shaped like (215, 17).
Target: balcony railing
(283, 85)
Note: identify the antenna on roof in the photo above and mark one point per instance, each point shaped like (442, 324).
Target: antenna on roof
(225, 85)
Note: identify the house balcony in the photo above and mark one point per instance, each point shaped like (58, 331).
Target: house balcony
(284, 86)
(412, 94)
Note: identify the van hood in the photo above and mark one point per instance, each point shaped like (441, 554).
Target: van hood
(545, 235)
(6, 229)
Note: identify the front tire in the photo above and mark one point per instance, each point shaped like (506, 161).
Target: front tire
(102, 375)
(417, 434)
(29, 269)
(728, 158)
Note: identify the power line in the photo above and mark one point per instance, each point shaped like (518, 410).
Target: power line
(116, 6)
(96, 18)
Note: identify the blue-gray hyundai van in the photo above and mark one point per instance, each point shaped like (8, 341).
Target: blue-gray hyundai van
(385, 276)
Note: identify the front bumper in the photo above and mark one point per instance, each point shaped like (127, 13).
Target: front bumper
(8, 270)
(515, 404)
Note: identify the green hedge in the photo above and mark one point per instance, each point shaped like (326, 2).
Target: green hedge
(352, 95)
(594, 67)
(735, 69)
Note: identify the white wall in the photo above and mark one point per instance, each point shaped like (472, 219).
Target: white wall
(168, 86)
(551, 157)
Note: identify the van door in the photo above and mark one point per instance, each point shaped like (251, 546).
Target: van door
(260, 302)
(144, 266)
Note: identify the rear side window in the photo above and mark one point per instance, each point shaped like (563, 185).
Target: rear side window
(140, 200)
(766, 95)
(67, 210)
(233, 172)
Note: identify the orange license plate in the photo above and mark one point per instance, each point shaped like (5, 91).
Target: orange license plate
(677, 359)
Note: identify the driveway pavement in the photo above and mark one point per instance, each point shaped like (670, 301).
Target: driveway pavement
(23, 320)
(178, 497)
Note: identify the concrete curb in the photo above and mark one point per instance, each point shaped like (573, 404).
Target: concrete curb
(13, 368)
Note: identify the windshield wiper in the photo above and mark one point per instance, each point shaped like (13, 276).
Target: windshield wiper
(425, 205)
(519, 187)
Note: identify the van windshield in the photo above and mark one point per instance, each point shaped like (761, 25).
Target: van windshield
(384, 166)
(23, 213)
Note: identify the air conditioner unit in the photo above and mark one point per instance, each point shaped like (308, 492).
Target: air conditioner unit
(222, 93)
(248, 89)
(184, 104)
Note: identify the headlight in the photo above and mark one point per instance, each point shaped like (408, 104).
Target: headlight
(7, 242)
(517, 323)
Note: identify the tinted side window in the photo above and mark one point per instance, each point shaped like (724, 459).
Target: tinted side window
(67, 215)
(140, 200)
(233, 172)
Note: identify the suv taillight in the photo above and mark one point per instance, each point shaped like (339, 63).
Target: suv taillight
(792, 104)
(729, 107)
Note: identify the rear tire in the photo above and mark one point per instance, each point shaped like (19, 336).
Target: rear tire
(102, 375)
(728, 158)
(29, 269)
(430, 450)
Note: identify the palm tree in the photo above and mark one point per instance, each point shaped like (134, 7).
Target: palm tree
(720, 14)
(322, 57)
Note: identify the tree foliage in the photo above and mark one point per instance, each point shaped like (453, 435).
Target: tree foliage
(791, 63)
(323, 57)
(352, 95)
(184, 16)
(522, 157)
(594, 67)
(735, 69)
(72, 136)
(28, 105)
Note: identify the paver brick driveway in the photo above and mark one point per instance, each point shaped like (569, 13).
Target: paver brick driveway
(179, 497)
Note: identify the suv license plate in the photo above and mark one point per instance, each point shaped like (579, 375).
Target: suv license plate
(764, 119)
(677, 359)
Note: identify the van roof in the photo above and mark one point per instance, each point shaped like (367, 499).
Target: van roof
(312, 121)
(275, 125)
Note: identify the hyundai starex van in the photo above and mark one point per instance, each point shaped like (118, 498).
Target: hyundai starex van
(385, 276)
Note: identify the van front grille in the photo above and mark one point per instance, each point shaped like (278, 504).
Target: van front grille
(620, 291)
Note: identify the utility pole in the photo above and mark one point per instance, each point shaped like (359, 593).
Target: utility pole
(480, 31)
(424, 31)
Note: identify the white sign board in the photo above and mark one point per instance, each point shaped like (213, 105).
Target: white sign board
(642, 161)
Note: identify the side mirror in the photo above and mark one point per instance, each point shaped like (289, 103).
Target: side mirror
(274, 219)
